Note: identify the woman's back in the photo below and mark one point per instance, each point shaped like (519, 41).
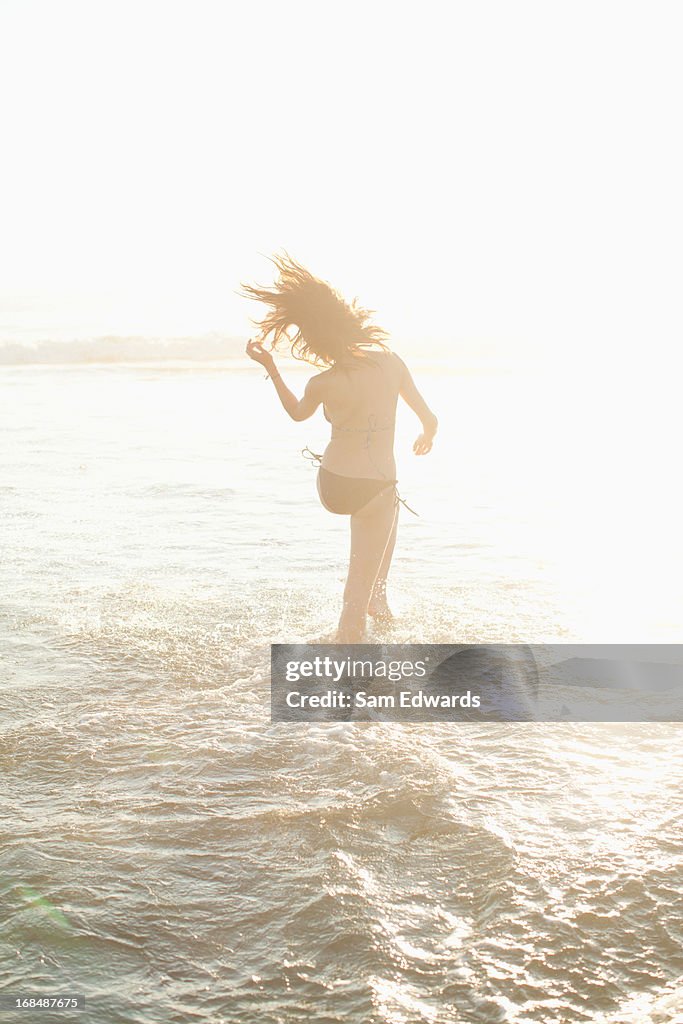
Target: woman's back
(360, 403)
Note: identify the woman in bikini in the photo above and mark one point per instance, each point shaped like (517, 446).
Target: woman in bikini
(358, 387)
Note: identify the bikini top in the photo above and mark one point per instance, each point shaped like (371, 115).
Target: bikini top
(371, 428)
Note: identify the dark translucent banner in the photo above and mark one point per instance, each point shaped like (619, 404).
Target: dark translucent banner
(476, 683)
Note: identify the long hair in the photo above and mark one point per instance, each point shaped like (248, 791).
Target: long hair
(327, 328)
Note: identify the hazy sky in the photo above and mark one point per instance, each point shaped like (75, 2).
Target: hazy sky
(505, 176)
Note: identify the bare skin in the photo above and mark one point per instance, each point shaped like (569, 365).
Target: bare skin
(378, 607)
(359, 398)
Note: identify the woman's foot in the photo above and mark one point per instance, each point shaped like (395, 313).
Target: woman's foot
(378, 607)
(381, 612)
(352, 630)
(345, 639)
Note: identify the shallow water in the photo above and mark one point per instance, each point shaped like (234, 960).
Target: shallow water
(173, 856)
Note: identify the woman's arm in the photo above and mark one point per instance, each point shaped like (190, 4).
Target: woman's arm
(298, 410)
(412, 397)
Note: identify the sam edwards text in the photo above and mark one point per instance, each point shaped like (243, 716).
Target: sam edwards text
(363, 699)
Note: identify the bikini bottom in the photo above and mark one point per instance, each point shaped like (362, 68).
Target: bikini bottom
(347, 495)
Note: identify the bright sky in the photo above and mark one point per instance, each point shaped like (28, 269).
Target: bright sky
(505, 176)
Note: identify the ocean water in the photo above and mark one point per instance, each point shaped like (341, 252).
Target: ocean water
(171, 855)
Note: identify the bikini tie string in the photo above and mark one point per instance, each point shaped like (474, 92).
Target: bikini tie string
(405, 503)
(312, 456)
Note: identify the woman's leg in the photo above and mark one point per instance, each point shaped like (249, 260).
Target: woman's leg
(370, 531)
(378, 606)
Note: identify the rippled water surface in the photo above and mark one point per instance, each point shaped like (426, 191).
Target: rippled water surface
(174, 857)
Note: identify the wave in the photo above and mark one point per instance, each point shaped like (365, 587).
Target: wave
(117, 349)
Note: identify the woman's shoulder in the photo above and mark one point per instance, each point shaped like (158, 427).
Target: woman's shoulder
(394, 360)
(322, 385)
(388, 354)
(323, 377)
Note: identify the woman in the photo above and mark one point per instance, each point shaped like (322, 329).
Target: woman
(358, 390)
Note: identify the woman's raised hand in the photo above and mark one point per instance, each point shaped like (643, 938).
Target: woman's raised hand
(257, 352)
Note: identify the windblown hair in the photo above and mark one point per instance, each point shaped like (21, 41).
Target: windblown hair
(327, 328)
